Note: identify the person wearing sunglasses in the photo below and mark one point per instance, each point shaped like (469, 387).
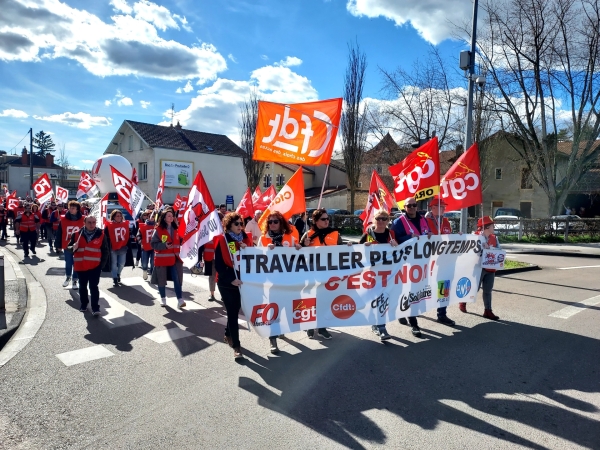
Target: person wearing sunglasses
(278, 232)
(378, 233)
(410, 225)
(320, 233)
(227, 265)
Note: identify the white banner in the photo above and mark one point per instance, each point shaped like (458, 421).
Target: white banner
(286, 290)
(208, 229)
(493, 258)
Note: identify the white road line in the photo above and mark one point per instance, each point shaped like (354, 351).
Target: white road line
(223, 321)
(84, 355)
(571, 310)
(169, 335)
(115, 314)
(576, 267)
(142, 286)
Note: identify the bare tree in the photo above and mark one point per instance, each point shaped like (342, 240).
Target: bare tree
(353, 124)
(63, 162)
(543, 57)
(253, 169)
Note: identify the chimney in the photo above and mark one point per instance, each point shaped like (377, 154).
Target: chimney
(49, 160)
(24, 157)
(178, 126)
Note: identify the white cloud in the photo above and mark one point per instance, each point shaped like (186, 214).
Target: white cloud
(16, 113)
(187, 88)
(144, 104)
(432, 19)
(264, 57)
(87, 161)
(77, 120)
(107, 102)
(125, 101)
(289, 62)
(232, 58)
(126, 45)
(183, 21)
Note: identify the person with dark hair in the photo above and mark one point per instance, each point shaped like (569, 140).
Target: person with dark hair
(26, 225)
(227, 248)
(54, 222)
(118, 234)
(3, 222)
(70, 222)
(300, 223)
(166, 242)
(144, 236)
(47, 226)
(223, 208)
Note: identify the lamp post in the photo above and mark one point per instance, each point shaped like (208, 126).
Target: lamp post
(31, 163)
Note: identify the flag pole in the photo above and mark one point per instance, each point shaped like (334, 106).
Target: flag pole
(323, 187)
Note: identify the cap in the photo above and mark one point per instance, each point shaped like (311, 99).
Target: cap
(486, 220)
(437, 199)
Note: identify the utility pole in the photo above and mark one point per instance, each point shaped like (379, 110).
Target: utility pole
(31, 163)
(469, 127)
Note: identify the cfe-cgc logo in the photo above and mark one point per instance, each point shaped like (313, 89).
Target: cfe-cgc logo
(463, 287)
(443, 291)
(264, 314)
(414, 297)
(304, 310)
(343, 307)
(382, 304)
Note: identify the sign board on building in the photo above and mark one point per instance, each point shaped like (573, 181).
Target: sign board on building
(229, 200)
(178, 174)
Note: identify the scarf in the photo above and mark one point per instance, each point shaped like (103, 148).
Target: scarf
(236, 237)
(320, 233)
(88, 235)
(277, 238)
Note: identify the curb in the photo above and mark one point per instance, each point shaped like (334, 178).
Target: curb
(539, 251)
(517, 270)
(32, 318)
(21, 287)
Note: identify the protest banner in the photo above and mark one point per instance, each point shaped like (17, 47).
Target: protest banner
(43, 188)
(99, 211)
(301, 133)
(461, 186)
(493, 258)
(286, 290)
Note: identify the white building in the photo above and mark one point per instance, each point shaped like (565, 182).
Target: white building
(181, 153)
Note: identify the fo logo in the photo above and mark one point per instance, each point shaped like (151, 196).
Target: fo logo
(343, 307)
(443, 289)
(264, 314)
(463, 287)
(304, 310)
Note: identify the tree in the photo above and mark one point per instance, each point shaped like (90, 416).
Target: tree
(353, 124)
(63, 162)
(253, 169)
(543, 57)
(43, 142)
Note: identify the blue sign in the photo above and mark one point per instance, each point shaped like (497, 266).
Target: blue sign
(463, 287)
(229, 200)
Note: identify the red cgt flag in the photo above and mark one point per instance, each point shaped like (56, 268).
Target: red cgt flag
(418, 175)
(461, 186)
(265, 199)
(246, 207)
(289, 200)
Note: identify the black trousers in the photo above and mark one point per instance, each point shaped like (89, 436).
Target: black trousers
(233, 303)
(3, 230)
(28, 239)
(92, 278)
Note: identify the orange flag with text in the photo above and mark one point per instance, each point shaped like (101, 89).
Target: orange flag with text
(289, 200)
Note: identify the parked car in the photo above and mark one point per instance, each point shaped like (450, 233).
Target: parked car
(561, 221)
(506, 224)
(508, 212)
(342, 212)
(452, 214)
(358, 212)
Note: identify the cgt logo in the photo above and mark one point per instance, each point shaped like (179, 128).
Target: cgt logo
(304, 310)
(343, 307)
(264, 314)
(463, 287)
(443, 290)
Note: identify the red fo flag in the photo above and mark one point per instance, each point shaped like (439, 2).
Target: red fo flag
(246, 207)
(87, 186)
(130, 196)
(62, 194)
(200, 222)
(159, 192)
(12, 202)
(182, 204)
(379, 198)
(134, 177)
(418, 175)
(177, 203)
(43, 188)
(265, 199)
(256, 194)
(461, 186)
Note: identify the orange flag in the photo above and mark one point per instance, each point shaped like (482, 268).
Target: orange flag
(302, 133)
(290, 199)
(418, 175)
(461, 186)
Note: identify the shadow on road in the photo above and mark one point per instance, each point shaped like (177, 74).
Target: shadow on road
(489, 371)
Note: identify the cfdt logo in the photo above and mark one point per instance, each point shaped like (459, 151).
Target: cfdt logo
(304, 310)
(343, 307)
(443, 290)
(463, 287)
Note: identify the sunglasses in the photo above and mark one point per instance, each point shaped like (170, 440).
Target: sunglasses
(237, 224)
(324, 219)
(382, 219)
(412, 205)
(271, 222)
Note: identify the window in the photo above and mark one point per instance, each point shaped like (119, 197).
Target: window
(359, 185)
(379, 169)
(498, 174)
(280, 179)
(143, 171)
(267, 181)
(141, 145)
(130, 143)
(526, 179)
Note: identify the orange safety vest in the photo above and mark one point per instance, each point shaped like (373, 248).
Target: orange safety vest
(146, 231)
(225, 248)
(27, 223)
(288, 240)
(209, 251)
(168, 256)
(118, 234)
(446, 228)
(89, 254)
(330, 239)
(68, 228)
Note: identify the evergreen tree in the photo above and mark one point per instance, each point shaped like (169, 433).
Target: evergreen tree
(43, 142)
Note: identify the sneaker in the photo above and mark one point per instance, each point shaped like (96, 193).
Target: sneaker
(145, 275)
(375, 330)
(180, 303)
(310, 333)
(274, 348)
(416, 331)
(212, 298)
(462, 306)
(324, 333)
(75, 285)
(237, 353)
(51, 249)
(163, 302)
(446, 320)
(488, 314)
(67, 281)
(228, 340)
(83, 309)
(26, 257)
(403, 321)
(383, 334)
(95, 313)
(115, 282)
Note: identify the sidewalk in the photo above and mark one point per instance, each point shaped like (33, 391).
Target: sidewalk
(15, 295)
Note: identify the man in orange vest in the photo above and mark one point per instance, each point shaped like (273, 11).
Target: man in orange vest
(26, 225)
(89, 247)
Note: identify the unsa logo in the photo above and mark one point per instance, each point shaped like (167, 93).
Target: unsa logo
(343, 307)
(463, 287)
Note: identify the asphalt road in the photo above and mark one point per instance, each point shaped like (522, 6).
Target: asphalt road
(165, 379)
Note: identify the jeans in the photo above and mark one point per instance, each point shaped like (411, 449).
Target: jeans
(487, 283)
(91, 277)
(117, 262)
(176, 284)
(148, 257)
(233, 303)
(49, 235)
(69, 265)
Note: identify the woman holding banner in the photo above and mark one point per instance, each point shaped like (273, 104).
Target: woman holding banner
(319, 234)
(227, 249)
(380, 234)
(118, 232)
(278, 232)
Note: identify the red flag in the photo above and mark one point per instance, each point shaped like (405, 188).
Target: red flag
(43, 188)
(265, 199)
(159, 192)
(87, 186)
(177, 203)
(256, 194)
(134, 177)
(62, 194)
(182, 205)
(461, 186)
(418, 175)
(379, 198)
(130, 196)
(289, 200)
(246, 207)
(12, 203)
(368, 214)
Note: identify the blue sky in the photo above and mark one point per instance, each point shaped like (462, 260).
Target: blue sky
(77, 69)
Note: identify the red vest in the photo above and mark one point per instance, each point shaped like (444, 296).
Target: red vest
(57, 215)
(146, 231)
(68, 228)
(209, 251)
(168, 256)
(233, 247)
(118, 234)
(27, 223)
(446, 228)
(89, 254)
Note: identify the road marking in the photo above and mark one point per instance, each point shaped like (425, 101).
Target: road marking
(223, 321)
(115, 314)
(168, 335)
(576, 267)
(84, 355)
(571, 310)
(140, 285)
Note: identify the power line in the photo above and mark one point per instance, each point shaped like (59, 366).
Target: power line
(18, 142)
